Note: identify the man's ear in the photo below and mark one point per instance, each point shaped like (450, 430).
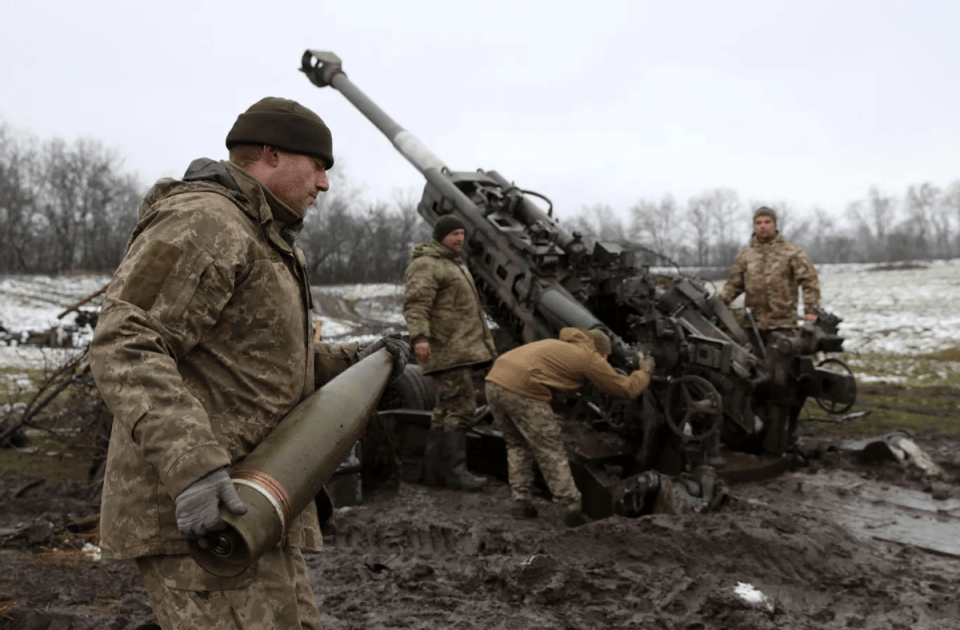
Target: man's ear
(270, 155)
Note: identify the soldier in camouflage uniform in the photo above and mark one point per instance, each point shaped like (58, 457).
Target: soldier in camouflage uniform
(769, 272)
(520, 387)
(449, 333)
(203, 346)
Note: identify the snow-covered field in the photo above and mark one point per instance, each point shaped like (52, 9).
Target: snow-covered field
(902, 312)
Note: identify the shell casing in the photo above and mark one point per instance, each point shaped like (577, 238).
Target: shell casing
(283, 474)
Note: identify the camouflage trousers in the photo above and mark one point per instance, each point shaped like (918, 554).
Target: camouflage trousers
(274, 595)
(532, 434)
(456, 405)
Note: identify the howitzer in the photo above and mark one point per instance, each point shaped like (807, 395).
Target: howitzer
(535, 278)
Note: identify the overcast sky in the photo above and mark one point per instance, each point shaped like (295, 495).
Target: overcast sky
(808, 102)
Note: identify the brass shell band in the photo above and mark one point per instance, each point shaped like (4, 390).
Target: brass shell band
(269, 488)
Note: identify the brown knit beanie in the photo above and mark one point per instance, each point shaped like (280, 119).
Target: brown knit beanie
(286, 125)
(601, 341)
(765, 211)
(445, 224)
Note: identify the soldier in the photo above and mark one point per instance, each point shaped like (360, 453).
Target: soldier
(769, 272)
(203, 346)
(520, 387)
(449, 333)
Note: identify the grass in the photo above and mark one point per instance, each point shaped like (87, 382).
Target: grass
(17, 384)
(56, 458)
(918, 394)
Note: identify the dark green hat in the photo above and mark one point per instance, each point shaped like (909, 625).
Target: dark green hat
(286, 125)
(445, 224)
(601, 341)
(765, 211)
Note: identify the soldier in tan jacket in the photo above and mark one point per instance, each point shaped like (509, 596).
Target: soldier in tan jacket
(770, 272)
(449, 333)
(519, 389)
(203, 346)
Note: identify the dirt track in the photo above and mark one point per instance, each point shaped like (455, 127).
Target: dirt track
(417, 557)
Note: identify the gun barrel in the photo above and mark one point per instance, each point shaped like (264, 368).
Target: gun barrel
(326, 68)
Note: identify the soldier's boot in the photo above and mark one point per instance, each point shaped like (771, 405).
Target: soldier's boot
(434, 458)
(412, 454)
(455, 452)
(712, 452)
(575, 518)
(524, 508)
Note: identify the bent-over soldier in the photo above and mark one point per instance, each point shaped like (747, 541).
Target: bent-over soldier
(520, 387)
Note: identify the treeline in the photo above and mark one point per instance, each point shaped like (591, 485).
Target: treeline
(71, 207)
(63, 206)
(709, 230)
(348, 240)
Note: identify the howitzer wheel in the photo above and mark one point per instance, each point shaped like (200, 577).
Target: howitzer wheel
(831, 406)
(693, 401)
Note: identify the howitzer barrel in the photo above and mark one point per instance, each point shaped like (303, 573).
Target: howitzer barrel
(325, 68)
(290, 466)
(561, 309)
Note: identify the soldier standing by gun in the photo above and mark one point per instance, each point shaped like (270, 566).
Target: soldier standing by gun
(769, 272)
(520, 387)
(203, 346)
(449, 334)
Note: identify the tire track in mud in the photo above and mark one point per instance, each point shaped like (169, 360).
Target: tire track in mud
(432, 541)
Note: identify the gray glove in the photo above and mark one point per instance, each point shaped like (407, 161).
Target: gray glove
(647, 364)
(398, 349)
(198, 507)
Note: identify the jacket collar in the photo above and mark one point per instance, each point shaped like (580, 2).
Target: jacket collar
(281, 224)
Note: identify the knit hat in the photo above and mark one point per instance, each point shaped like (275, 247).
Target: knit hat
(765, 211)
(601, 341)
(286, 125)
(445, 224)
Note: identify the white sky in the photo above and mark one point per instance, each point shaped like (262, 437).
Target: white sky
(591, 102)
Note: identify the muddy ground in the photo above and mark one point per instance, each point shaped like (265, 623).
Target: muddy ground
(416, 557)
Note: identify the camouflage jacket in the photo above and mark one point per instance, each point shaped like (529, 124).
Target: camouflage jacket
(554, 368)
(442, 307)
(769, 274)
(203, 345)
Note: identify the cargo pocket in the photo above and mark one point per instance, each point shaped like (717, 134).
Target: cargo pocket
(186, 596)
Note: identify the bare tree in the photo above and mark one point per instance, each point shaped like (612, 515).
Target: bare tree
(921, 205)
(881, 210)
(724, 207)
(17, 200)
(655, 225)
(599, 222)
(699, 220)
(950, 207)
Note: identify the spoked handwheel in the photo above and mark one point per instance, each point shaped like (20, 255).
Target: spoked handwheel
(694, 409)
(834, 407)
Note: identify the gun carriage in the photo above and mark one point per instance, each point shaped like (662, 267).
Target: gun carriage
(720, 387)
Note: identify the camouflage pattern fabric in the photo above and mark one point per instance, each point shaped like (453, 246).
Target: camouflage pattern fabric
(456, 404)
(273, 594)
(203, 345)
(532, 434)
(442, 307)
(769, 273)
